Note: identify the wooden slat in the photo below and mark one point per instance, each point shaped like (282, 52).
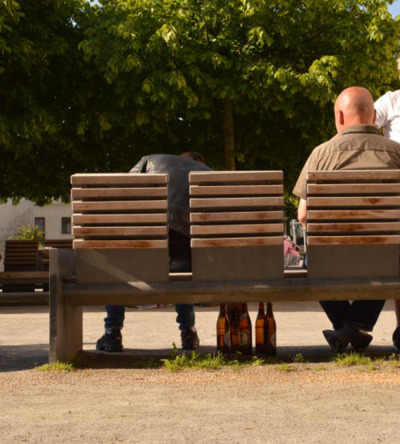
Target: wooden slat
(120, 205)
(237, 242)
(242, 202)
(352, 214)
(234, 176)
(352, 175)
(118, 179)
(352, 227)
(199, 230)
(25, 277)
(58, 243)
(236, 216)
(85, 219)
(104, 193)
(362, 188)
(120, 231)
(383, 201)
(116, 244)
(235, 190)
(353, 240)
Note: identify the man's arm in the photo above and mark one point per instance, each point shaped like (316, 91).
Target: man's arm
(382, 110)
(302, 212)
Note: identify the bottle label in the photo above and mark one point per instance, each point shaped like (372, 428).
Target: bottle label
(243, 339)
(273, 339)
(227, 338)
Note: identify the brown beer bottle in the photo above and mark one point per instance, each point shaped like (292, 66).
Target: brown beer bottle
(270, 331)
(223, 331)
(244, 331)
(260, 324)
(233, 317)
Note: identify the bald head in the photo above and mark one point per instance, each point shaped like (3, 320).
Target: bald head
(354, 106)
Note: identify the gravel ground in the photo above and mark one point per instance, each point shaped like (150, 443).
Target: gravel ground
(317, 402)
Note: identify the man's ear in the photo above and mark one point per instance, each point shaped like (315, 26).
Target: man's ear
(373, 120)
(341, 117)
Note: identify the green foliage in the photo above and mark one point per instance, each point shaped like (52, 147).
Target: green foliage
(195, 360)
(27, 232)
(350, 359)
(285, 367)
(299, 359)
(88, 88)
(57, 366)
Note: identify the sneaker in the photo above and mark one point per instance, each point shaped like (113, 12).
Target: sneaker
(396, 338)
(361, 340)
(190, 340)
(110, 342)
(337, 343)
(338, 340)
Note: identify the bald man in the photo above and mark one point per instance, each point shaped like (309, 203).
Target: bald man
(358, 145)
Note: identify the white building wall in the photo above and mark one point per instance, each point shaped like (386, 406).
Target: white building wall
(53, 215)
(13, 216)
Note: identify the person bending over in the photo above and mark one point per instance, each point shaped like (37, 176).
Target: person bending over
(178, 169)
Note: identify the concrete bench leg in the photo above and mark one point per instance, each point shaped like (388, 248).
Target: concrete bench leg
(65, 321)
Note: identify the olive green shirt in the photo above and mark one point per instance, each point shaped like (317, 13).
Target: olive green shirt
(359, 147)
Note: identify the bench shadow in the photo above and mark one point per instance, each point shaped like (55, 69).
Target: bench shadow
(152, 358)
(23, 357)
(27, 357)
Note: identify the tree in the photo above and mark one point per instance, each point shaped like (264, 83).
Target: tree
(249, 83)
(261, 73)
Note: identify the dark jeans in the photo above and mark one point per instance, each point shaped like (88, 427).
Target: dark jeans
(362, 314)
(179, 251)
(116, 315)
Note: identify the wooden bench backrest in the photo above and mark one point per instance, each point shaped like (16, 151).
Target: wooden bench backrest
(236, 225)
(59, 243)
(20, 255)
(120, 224)
(353, 223)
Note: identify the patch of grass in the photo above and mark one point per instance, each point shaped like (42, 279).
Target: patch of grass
(394, 360)
(195, 360)
(351, 359)
(320, 368)
(285, 367)
(58, 366)
(299, 359)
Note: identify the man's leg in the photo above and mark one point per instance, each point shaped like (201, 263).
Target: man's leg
(396, 333)
(111, 341)
(186, 316)
(364, 314)
(186, 321)
(337, 312)
(360, 317)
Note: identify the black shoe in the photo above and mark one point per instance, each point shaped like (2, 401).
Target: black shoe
(190, 340)
(360, 340)
(337, 342)
(110, 342)
(340, 339)
(396, 338)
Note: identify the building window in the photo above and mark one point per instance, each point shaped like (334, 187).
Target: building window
(40, 223)
(66, 225)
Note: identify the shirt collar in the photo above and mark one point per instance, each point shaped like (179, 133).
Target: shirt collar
(361, 129)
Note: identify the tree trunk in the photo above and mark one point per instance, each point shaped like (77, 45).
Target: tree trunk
(229, 136)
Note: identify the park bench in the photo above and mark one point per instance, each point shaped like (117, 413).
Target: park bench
(21, 276)
(236, 223)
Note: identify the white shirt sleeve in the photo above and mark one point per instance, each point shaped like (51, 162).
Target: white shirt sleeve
(382, 108)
